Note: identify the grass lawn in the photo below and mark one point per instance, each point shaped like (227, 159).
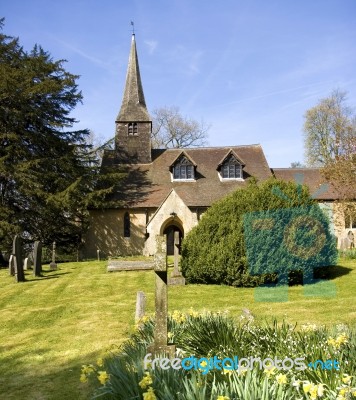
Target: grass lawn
(52, 325)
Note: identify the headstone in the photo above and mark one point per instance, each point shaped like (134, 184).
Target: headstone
(12, 265)
(18, 261)
(53, 265)
(98, 254)
(176, 277)
(37, 259)
(160, 344)
(27, 263)
(140, 306)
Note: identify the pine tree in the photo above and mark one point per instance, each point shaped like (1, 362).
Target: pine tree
(48, 174)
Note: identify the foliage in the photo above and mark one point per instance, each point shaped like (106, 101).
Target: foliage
(349, 254)
(205, 335)
(231, 243)
(48, 173)
(172, 130)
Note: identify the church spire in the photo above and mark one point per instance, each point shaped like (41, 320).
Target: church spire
(133, 107)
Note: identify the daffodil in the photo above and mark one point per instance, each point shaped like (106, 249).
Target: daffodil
(149, 395)
(146, 381)
(270, 371)
(222, 398)
(100, 362)
(83, 378)
(103, 377)
(281, 379)
(346, 379)
(307, 386)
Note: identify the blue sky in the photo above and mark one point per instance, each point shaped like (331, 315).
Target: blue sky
(250, 69)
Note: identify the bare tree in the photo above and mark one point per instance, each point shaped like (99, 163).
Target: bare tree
(172, 130)
(329, 130)
(330, 142)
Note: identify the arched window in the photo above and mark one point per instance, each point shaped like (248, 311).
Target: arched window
(132, 128)
(127, 228)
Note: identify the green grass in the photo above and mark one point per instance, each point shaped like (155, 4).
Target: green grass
(52, 325)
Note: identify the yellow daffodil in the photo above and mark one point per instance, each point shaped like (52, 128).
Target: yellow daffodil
(149, 395)
(281, 379)
(146, 381)
(87, 369)
(103, 377)
(227, 371)
(307, 386)
(83, 378)
(270, 371)
(100, 362)
(346, 379)
(222, 398)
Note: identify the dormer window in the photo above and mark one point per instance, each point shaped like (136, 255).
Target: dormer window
(132, 128)
(183, 169)
(231, 168)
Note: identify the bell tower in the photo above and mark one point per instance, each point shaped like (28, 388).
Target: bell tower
(133, 123)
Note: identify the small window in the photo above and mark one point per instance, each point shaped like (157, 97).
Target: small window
(127, 228)
(231, 169)
(183, 169)
(132, 128)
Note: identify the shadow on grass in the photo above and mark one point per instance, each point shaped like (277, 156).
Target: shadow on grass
(43, 276)
(331, 272)
(61, 383)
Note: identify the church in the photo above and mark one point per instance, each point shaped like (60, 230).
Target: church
(168, 190)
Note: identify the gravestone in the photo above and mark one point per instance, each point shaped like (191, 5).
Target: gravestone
(160, 344)
(140, 306)
(18, 261)
(27, 263)
(12, 265)
(53, 265)
(176, 277)
(37, 259)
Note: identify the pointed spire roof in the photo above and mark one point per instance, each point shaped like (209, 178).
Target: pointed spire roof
(133, 107)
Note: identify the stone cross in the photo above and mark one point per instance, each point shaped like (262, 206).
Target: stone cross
(53, 265)
(160, 345)
(18, 261)
(37, 259)
(176, 277)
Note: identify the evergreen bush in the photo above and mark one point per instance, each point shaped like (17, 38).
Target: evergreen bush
(257, 234)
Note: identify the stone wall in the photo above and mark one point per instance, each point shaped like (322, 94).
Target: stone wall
(106, 233)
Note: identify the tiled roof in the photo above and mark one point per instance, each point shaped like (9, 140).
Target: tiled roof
(147, 185)
(311, 177)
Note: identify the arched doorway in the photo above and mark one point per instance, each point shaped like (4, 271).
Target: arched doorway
(169, 231)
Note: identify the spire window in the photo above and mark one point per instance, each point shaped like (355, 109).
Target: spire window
(132, 129)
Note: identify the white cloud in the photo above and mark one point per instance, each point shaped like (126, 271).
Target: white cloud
(152, 45)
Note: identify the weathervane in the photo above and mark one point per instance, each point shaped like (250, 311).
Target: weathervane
(133, 27)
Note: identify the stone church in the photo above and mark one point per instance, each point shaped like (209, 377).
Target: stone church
(168, 190)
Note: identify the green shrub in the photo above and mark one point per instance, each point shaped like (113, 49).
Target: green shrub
(258, 233)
